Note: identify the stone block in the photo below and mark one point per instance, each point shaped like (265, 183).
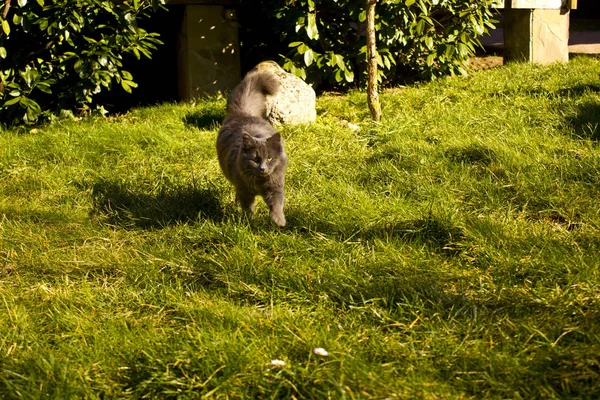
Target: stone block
(295, 103)
(536, 35)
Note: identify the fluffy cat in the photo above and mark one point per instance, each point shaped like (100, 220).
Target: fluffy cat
(250, 150)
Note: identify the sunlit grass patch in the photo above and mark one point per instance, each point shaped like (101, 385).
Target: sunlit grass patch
(450, 251)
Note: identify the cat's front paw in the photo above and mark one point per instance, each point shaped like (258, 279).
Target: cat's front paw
(279, 219)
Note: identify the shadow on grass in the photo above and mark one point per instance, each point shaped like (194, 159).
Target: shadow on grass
(586, 122)
(127, 207)
(437, 234)
(206, 118)
(475, 154)
(572, 91)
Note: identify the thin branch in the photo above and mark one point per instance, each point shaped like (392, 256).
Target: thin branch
(6, 8)
(372, 90)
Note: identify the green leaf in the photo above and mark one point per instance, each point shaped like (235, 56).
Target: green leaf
(35, 107)
(127, 85)
(430, 60)
(338, 75)
(429, 42)
(311, 27)
(6, 27)
(332, 59)
(300, 23)
(41, 3)
(130, 18)
(32, 114)
(22, 3)
(386, 62)
(339, 60)
(308, 57)
(420, 27)
(78, 66)
(3, 53)
(44, 87)
(302, 48)
(12, 101)
(349, 75)
(26, 102)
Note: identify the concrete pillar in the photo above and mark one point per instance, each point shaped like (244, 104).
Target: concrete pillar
(536, 35)
(209, 59)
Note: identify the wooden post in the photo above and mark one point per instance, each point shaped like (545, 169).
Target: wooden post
(372, 90)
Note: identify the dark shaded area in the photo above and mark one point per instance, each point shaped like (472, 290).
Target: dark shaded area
(408, 162)
(586, 119)
(157, 78)
(127, 207)
(586, 9)
(438, 234)
(258, 35)
(578, 90)
(475, 154)
(205, 118)
(573, 91)
(586, 122)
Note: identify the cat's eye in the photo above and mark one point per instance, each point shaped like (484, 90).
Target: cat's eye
(270, 159)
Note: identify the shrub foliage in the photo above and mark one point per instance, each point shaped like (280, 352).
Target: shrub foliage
(56, 55)
(327, 38)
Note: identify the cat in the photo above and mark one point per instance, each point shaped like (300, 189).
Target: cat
(250, 151)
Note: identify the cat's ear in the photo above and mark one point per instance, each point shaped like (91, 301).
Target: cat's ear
(248, 140)
(275, 140)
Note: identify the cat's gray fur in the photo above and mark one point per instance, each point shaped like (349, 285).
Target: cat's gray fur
(250, 150)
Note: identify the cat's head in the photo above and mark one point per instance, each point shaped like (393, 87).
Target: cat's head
(262, 156)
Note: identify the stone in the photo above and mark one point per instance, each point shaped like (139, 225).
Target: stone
(536, 35)
(296, 101)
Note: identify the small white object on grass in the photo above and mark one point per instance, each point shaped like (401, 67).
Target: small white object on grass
(278, 363)
(321, 352)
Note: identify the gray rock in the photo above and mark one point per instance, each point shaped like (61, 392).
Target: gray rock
(296, 101)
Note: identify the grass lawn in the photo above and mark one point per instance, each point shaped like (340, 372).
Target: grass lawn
(452, 251)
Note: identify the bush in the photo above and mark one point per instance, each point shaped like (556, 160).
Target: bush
(74, 50)
(326, 39)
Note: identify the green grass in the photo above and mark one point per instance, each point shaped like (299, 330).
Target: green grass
(450, 252)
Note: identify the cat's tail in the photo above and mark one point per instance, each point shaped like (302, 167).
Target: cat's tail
(249, 96)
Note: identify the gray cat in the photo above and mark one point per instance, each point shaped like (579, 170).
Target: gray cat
(250, 150)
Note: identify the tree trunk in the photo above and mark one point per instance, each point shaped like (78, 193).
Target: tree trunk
(372, 91)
